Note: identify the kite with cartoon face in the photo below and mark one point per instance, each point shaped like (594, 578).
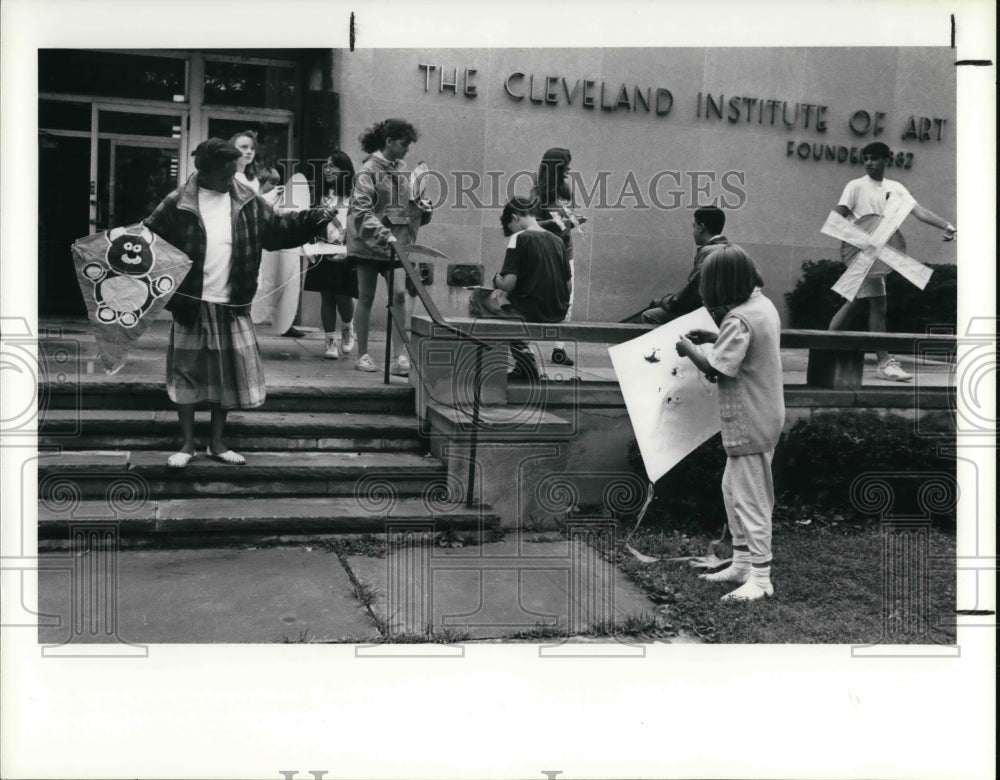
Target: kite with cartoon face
(124, 290)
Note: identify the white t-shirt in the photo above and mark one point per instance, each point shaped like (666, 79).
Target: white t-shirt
(216, 213)
(867, 196)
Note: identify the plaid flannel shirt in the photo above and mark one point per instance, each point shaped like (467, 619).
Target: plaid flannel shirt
(256, 227)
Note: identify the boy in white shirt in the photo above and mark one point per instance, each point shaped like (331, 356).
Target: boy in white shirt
(861, 197)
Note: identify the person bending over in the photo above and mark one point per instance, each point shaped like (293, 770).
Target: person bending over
(532, 285)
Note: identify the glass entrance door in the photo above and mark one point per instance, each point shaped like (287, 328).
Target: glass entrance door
(137, 163)
(140, 175)
(94, 175)
(63, 195)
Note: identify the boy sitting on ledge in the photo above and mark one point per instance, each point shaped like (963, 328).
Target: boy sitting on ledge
(533, 283)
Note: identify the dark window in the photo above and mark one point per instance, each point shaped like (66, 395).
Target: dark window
(63, 115)
(128, 123)
(109, 74)
(241, 84)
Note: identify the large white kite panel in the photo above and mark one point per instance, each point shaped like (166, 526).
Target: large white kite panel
(672, 406)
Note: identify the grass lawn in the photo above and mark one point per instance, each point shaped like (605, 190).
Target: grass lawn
(828, 587)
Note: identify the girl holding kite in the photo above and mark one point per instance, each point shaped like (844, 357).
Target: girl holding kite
(745, 361)
(223, 227)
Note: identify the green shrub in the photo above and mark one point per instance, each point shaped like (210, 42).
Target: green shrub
(816, 464)
(912, 310)
(821, 457)
(812, 303)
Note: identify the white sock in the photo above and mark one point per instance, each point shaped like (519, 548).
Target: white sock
(758, 586)
(737, 571)
(330, 336)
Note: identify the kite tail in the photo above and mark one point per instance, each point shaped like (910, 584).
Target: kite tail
(708, 561)
(642, 513)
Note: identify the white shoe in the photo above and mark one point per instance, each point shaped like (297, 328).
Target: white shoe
(347, 342)
(365, 363)
(400, 366)
(892, 370)
(331, 349)
(751, 590)
(738, 574)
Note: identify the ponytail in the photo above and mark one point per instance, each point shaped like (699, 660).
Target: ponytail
(374, 138)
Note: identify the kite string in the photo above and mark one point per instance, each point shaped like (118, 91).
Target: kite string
(265, 296)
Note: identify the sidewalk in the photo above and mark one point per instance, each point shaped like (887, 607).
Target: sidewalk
(300, 362)
(526, 586)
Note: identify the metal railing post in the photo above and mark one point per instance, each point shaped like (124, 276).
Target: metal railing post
(390, 284)
(401, 259)
(474, 439)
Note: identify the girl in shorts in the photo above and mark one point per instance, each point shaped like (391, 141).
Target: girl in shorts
(333, 277)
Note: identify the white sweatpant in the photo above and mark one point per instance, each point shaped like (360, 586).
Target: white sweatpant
(748, 493)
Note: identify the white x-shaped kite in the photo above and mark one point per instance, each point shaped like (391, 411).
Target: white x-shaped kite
(874, 246)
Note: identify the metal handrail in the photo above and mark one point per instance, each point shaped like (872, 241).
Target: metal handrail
(402, 260)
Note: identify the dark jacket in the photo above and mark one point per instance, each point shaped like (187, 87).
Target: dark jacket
(688, 298)
(256, 226)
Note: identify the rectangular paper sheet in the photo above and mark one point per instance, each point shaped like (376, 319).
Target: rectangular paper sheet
(672, 406)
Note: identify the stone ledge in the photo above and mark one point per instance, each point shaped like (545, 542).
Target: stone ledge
(197, 516)
(498, 422)
(608, 395)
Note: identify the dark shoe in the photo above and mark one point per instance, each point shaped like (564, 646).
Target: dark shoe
(559, 357)
(525, 367)
(293, 333)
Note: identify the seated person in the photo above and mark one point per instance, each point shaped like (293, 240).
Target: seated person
(708, 224)
(533, 284)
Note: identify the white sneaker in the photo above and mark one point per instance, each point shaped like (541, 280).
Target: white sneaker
(331, 349)
(734, 573)
(347, 342)
(892, 370)
(400, 366)
(756, 587)
(365, 363)
(751, 590)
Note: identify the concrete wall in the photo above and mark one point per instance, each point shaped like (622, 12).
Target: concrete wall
(626, 255)
(593, 465)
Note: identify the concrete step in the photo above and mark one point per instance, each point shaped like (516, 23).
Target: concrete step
(113, 429)
(202, 519)
(101, 392)
(134, 476)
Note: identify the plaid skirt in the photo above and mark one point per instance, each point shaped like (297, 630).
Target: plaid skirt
(215, 360)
